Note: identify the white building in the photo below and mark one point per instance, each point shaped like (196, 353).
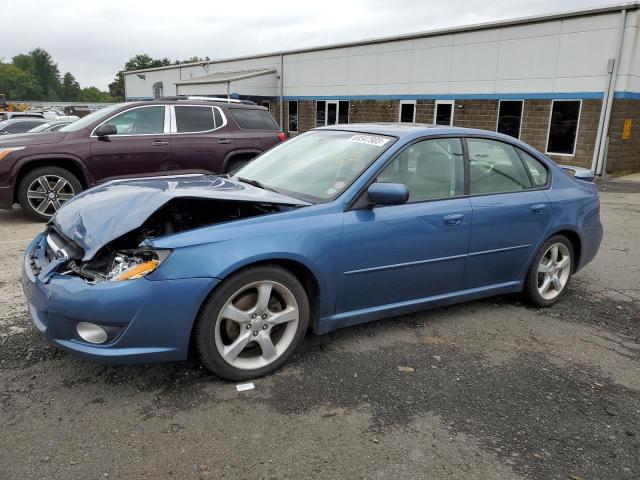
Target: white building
(564, 83)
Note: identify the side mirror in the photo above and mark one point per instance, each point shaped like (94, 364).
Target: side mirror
(387, 193)
(105, 130)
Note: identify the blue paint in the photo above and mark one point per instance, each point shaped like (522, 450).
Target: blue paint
(368, 263)
(627, 95)
(460, 96)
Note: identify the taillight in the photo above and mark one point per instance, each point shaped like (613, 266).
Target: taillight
(282, 137)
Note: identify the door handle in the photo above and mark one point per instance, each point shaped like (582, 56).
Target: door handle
(224, 140)
(159, 143)
(454, 219)
(538, 208)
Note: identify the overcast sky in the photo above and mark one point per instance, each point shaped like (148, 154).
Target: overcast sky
(93, 39)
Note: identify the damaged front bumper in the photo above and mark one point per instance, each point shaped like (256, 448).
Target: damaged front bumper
(146, 320)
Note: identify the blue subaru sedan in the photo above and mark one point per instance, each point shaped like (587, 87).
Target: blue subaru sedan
(335, 227)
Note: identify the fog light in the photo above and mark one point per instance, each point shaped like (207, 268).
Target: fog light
(92, 333)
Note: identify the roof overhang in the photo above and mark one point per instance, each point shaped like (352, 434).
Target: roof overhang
(228, 76)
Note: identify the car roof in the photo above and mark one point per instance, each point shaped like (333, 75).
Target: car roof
(25, 119)
(217, 103)
(414, 130)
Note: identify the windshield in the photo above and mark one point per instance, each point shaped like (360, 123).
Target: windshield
(316, 166)
(89, 119)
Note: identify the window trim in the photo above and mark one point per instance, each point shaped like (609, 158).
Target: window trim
(407, 102)
(174, 124)
(289, 115)
(521, 100)
(166, 130)
(575, 141)
(444, 102)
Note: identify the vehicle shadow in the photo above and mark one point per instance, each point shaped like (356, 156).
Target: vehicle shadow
(17, 217)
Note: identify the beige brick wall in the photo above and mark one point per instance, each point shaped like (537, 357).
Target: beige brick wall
(476, 114)
(624, 155)
(483, 114)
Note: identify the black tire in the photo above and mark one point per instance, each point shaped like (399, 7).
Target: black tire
(30, 177)
(531, 292)
(234, 165)
(205, 328)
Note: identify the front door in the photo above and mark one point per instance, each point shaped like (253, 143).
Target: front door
(416, 250)
(140, 148)
(511, 213)
(331, 113)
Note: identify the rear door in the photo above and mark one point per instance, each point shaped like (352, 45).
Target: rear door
(511, 212)
(139, 149)
(201, 139)
(257, 130)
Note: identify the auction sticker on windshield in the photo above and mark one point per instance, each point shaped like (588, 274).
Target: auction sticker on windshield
(370, 140)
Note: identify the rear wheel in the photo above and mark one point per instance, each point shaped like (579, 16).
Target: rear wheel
(550, 272)
(44, 190)
(252, 323)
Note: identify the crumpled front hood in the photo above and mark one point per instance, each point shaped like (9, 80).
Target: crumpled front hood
(20, 139)
(103, 213)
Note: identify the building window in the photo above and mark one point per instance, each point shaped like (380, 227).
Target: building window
(293, 115)
(331, 112)
(563, 126)
(510, 117)
(266, 104)
(443, 114)
(407, 111)
(321, 107)
(157, 90)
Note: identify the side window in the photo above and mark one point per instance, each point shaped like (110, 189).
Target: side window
(193, 119)
(431, 170)
(250, 119)
(537, 170)
(140, 121)
(494, 167)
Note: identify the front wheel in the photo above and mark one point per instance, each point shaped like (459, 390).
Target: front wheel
(252, 323)
(550, 272)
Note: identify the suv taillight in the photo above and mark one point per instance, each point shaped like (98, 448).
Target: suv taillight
(282, 137)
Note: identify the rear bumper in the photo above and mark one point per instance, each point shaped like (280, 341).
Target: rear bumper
(153, 319)
(6, 198)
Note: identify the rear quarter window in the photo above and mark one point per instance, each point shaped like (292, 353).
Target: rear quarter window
(254, 119)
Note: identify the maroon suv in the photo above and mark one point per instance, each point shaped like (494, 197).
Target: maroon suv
(41, 171)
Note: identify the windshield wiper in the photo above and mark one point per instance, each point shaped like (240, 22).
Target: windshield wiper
(256, 183)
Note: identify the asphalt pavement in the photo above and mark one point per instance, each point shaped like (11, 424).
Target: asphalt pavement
(491, 389)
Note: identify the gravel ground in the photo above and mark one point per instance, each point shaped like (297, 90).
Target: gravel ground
(487, 389)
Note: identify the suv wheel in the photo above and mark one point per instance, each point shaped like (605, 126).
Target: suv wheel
(44, 190)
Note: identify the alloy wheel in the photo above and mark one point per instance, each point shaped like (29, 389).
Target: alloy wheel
(47, 193)
(256, 325)
(553, 271)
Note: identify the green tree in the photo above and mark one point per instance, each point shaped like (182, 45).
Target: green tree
(92, 94)
(39, 63)
(17, 84)
(70, 89)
